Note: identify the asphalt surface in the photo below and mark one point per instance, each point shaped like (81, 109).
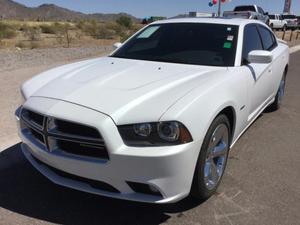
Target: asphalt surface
(261, 184)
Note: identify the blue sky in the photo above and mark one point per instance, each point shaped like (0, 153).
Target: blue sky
(143, 8)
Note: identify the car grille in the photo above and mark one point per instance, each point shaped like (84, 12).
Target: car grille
(63, 136)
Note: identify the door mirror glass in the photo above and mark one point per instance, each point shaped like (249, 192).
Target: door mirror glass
(260, 56)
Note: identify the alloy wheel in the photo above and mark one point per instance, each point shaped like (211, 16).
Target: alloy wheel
(216, 156)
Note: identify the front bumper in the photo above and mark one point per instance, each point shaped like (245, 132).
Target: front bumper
(169, 169)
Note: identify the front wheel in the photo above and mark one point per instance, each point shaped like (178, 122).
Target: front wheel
(284, 28)
(212, 159)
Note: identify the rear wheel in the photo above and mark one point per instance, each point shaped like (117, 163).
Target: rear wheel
(279, 96)
(212, 159)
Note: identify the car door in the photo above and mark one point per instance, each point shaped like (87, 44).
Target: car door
(277, 21)
(260, 89)
(280, 21)
(270, 44)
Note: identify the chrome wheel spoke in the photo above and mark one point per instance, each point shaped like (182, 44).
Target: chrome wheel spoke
(216, 156)
(214, 174)
(219, 150)
(281, 90)
(207, 169)
(218, 135)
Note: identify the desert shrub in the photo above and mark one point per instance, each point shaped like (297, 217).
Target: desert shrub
(34, 44)
(125, 21)
(7, 31)
(104, 33)
(64, 33)
(32, 33)
(117, 28)
(20, 44)
(48, 29)
(90, 28)
(97, 30)
(80, 25)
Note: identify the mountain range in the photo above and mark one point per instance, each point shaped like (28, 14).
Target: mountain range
(50, 12)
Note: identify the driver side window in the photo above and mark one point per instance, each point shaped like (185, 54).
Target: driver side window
(251, 42)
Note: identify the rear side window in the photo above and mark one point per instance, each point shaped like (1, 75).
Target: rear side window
(245, 8)
(268, 39)
(252, 41)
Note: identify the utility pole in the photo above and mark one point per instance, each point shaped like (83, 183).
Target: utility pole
(219, 8)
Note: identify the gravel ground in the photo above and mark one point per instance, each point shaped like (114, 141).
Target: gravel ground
(260, 186)
(11, 60)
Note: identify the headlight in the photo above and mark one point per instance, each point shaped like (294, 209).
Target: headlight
(169, 131)
(143, 129)
(155, 134)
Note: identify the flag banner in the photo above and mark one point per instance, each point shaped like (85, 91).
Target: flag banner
(287, 6)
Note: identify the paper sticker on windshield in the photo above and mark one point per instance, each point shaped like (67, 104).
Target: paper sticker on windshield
(148, 32)
(230, 38)
(227, 45)
(228, 28)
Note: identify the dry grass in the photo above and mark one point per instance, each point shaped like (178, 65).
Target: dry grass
(33, 34)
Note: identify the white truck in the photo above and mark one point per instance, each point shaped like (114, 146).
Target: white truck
(292, 21)
(277, 22)
(248, 12)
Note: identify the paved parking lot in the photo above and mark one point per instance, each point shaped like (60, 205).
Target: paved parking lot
(261, 184)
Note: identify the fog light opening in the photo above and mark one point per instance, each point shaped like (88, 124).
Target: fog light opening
(144, 188)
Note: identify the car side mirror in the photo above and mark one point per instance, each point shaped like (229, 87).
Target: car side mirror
(117, 45)
(260, 56)
(266, 13)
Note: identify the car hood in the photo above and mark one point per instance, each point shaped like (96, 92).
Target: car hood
(124, 89)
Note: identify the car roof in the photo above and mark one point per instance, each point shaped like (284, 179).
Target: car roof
(221, 20)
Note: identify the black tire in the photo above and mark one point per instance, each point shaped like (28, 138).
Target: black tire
(199, 188)
(278, 99)
(284, 28)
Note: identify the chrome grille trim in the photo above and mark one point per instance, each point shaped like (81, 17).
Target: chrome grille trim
(64, 138)
(52, 136)
(75, 137)
(31, 122)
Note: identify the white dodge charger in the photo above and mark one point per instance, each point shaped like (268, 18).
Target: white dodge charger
(154, 121)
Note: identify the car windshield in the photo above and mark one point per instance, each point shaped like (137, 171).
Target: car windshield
(188, 43)
(245, 8)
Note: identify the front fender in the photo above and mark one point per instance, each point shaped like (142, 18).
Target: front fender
(199, 108)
